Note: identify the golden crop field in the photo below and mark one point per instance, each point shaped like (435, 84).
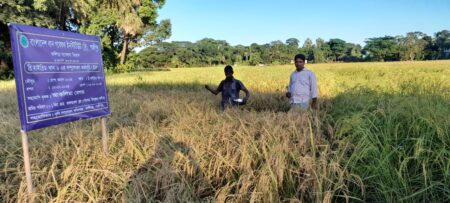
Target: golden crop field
(381, 134)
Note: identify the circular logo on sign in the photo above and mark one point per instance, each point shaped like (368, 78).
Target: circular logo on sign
(23, 41)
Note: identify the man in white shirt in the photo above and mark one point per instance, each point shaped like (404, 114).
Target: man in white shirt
(302, 90)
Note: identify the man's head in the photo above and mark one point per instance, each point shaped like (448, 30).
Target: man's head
(228, 72)
(299, 61)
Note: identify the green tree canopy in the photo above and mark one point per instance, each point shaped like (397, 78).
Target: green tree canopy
(383, 48)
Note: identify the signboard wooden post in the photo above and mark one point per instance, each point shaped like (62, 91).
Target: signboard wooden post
(26, 160)
(104, 135)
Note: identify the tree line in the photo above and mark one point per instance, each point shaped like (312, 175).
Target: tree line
(124, 25)
(211, 52)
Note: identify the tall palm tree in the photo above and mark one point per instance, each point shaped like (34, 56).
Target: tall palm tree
(134, 18)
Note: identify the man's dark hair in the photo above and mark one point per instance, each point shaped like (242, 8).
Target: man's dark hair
(228, 68)
(300, 56)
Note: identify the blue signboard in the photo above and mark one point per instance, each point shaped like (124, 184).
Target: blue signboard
(59, 76)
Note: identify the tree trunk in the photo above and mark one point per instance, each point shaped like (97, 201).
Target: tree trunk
(123, 54)
(112, 37)
(61, 21)
(3, 65)
(4, 37)
(4, 69)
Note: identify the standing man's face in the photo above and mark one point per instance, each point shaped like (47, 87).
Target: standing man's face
(299, 64)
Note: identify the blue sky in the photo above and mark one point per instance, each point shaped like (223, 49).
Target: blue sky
(263, 21)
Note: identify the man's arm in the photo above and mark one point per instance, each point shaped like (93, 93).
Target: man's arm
(314, 92)
(216, 91)
(247, 94)
(289, 92)
(244, 89)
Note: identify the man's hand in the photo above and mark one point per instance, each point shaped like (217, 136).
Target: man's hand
(314, 103)
(288, 95)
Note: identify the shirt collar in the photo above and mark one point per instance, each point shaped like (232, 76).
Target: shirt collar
(304, 68)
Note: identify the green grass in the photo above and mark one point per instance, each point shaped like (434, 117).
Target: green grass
(382, 134)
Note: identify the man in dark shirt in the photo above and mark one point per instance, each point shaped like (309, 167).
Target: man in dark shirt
(230, 88)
